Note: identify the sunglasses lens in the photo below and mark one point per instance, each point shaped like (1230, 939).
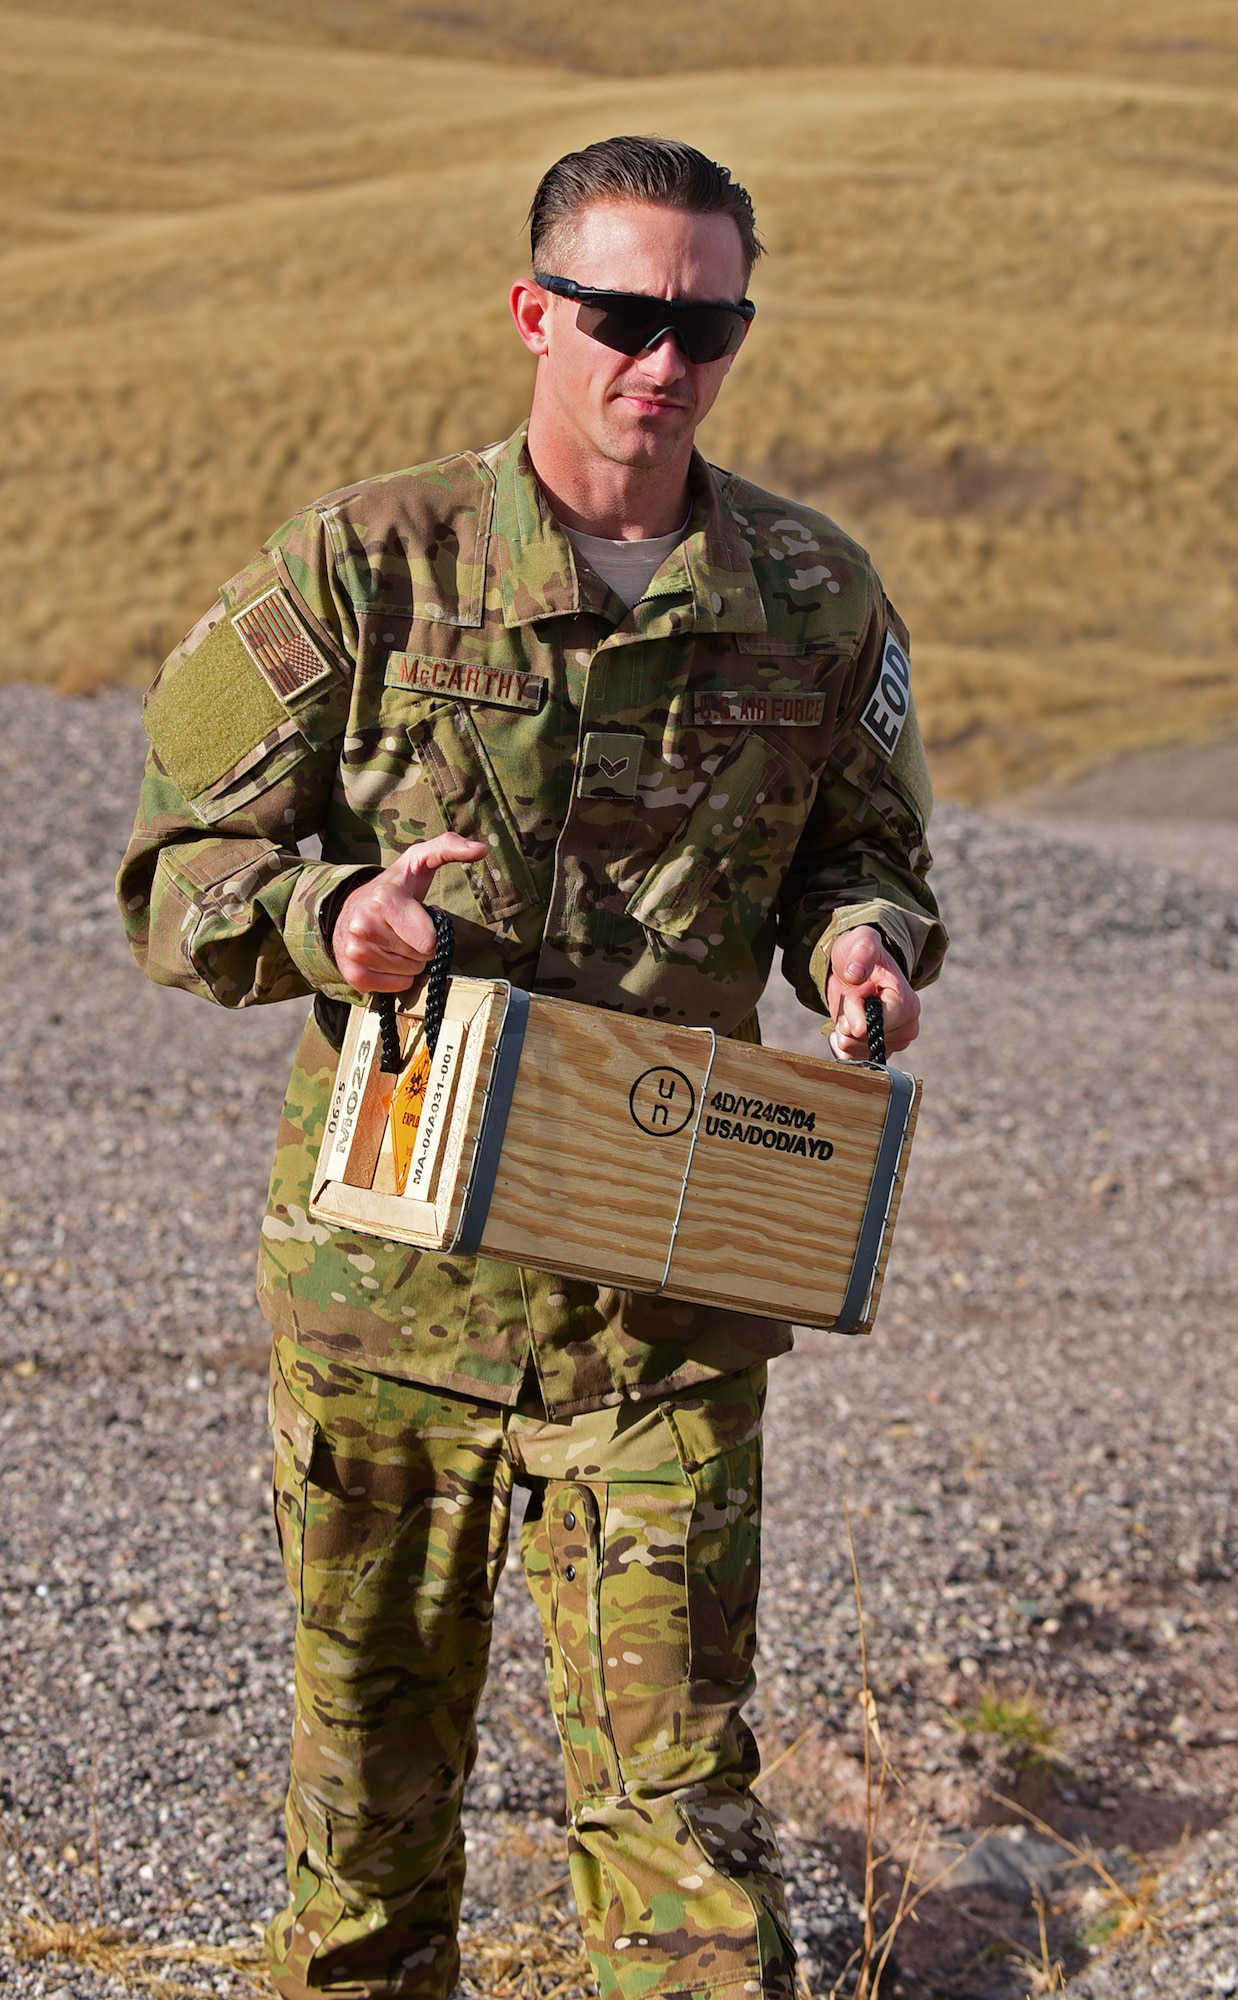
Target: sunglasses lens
(626, 325)
(629, 326)
(711, 332)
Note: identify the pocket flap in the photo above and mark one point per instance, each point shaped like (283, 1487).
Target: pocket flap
(293, 1430)
(670, 897)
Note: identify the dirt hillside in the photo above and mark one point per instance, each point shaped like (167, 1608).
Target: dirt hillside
(249, 255)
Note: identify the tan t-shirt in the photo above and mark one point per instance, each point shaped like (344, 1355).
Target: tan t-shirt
(628, 567)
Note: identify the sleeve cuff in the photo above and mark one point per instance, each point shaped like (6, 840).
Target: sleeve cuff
(905, 934)
(311, 911)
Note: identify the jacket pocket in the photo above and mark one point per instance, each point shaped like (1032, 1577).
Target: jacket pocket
(457, 768)
(748, 820)
(202, 899)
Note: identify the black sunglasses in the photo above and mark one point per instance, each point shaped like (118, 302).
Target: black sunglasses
(631, 322)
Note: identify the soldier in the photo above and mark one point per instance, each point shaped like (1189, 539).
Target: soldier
(635, 720)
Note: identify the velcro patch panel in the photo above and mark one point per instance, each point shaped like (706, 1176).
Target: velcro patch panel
(208, 713)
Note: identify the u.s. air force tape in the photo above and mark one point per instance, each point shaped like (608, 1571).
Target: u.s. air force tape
(890, 699)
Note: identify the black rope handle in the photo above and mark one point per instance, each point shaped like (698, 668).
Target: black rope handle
(438, 979)
(874, 1021)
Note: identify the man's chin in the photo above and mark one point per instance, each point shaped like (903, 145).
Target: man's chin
(649, 442)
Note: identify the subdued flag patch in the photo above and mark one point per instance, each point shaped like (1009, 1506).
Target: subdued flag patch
(279, 645)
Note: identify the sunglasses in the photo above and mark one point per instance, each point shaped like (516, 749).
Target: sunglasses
(631, 322)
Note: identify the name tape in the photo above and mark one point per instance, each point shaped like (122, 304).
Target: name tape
(758, 709)
(891, 698)
(506, 687)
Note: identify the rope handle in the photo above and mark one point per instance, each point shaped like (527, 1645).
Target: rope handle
(874, 1021)
(438, 979)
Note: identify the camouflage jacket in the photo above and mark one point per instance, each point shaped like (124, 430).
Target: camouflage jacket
(665, 793)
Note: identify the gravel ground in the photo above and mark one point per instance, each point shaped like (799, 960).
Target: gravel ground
(1036, 1447)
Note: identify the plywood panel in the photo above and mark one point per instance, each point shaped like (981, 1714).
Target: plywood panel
(779, 1182)
(598, 1140)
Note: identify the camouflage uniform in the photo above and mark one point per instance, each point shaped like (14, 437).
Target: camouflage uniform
(640, 1546)
(665, 793)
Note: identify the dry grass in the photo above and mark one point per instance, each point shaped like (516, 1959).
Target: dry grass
(996, 332)
(1139, 38)
(522, 1960)
(33, 1933)
(81, 1946)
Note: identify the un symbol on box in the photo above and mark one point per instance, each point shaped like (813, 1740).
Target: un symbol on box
(662, 1101)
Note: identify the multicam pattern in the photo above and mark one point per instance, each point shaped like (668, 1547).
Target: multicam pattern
(660, 888)
(664, 794)
(640, 1546)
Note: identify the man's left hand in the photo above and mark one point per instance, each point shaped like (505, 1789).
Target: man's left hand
(860, 965)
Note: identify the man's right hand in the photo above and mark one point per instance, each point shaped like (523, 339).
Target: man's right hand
(382, 938)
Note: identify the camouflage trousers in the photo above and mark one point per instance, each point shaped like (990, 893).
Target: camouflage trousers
(640, 1547)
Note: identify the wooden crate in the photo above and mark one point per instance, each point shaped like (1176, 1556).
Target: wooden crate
(630, 1152)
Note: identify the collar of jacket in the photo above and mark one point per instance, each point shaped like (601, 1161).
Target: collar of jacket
(707, 585)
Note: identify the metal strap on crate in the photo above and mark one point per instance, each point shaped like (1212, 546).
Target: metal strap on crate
(687, 1165)
(854, 1309)
(495, 1106)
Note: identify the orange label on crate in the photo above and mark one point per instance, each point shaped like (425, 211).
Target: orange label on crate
(407, 1105)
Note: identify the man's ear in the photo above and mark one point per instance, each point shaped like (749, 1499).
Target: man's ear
(529, 306)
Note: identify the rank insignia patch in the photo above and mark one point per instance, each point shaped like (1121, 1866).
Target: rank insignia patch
(610, 765)
(279, 645)
(888, 704)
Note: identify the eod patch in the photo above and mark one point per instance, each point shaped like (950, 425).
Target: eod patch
(890, 700)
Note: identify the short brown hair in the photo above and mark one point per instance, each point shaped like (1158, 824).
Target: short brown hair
(664, 172)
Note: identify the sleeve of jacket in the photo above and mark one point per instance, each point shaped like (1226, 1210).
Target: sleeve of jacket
(245, 721)
(863, 857)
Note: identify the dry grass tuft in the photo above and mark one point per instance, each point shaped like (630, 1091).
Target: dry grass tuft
(523, 1960)
(39, 1938)
(31, 1932)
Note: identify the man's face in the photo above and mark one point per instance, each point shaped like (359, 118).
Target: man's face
(636, 410)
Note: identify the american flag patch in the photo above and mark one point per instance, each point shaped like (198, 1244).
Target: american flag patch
(279, 645)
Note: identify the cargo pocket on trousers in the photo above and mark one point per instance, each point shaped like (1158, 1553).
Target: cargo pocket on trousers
(294, 1434)
(718, 1438)
(743, 1881)
(457, 768)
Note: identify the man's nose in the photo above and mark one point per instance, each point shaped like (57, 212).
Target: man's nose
(665, 361)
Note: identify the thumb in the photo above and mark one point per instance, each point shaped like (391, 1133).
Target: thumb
(855, 955)
(421, 862)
